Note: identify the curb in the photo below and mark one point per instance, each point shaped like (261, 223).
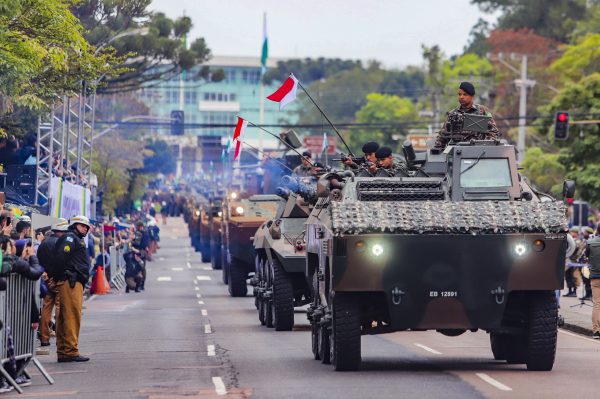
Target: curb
(577, 329)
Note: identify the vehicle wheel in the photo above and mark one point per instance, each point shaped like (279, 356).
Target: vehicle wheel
(314, 336)
(205, 253)
(499, 343)
(215, 256)
(261, 312)
(283, 298)
(224, 267)
(542, 331)
(257, 277)
(345, 337)
(324, 345)
(268, 314)
(516, 349)
(237, 278)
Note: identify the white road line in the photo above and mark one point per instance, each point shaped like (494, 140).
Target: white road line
(219, 386)
(493, 382)
(200, 302)
(197, 289)
(161, 258)
(195, 282)
(164, 278)
(210, 350)
(177, 269)
(578, 336)
(207, 329)
(203, 278)
(428, 349)
(207, 268)
(204, 312)
(189, 266)
(198, 295)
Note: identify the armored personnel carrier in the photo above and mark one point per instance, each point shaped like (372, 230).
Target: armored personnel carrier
(241, 218)
(280, 256)
(463, 243)
(209, 240)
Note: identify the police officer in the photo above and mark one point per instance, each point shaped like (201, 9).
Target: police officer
(593, 253)
(47, 258)
(386, 167)
(369, 149)
(466, 92)
(72, 275)
(305, 168)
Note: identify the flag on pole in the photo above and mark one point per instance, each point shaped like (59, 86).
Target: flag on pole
(325, 143)
(265, 47)
(228, 145)
(286, 93)
(240, 128)
(238, 150)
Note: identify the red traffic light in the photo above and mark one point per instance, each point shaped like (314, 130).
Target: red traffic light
(562, 116)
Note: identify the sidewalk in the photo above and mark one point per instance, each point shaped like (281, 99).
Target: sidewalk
(577, 318)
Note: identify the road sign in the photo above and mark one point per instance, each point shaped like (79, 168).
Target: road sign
(419, 141)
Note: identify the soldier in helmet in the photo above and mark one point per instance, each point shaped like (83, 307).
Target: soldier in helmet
(73, 272)
(466, 93)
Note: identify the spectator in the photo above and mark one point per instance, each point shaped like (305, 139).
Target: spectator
(23, 227)
(593, 252)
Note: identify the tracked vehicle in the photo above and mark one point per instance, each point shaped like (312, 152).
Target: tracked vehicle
(280, 256)
(462, 243)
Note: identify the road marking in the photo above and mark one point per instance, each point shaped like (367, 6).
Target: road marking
(493, 382)
(578, 336)
(177, 269)
(219, 386)
(428, 349)
(210, 350)
(189, 266)
(198, 295)
(200, 302)
(197, 289)
(206, 268)
(207, 329)
(204, 312)
(164, 278)
(203, 278)
(161, 258)
(195, 282)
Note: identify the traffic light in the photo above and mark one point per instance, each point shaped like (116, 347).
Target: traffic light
(177, 121)
(561, 126)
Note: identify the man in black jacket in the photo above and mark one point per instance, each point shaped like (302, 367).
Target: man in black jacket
(72, 274)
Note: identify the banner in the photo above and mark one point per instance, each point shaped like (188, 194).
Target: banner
(68, 199)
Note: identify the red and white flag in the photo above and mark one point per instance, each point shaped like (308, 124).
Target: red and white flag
(240, 128)
(286, 93)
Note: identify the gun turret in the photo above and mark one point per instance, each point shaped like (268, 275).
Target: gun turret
(295, 185)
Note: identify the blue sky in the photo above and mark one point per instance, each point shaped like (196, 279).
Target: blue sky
(389, 31)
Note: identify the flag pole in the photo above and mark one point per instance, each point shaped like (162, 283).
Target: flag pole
(263, 68)
(326, 118)
(262, 153)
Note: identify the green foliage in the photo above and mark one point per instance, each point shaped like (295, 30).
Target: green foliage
(379, 109)
(590, 24)
(43, 52)
(555, 19)
(579, 60)
(581, 152)
(545, 170)
(477, 43)
(309, 70)
(156, 53)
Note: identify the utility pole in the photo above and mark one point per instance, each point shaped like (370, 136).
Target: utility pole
(523, 84)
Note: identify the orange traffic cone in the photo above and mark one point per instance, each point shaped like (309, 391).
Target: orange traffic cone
(100, 286)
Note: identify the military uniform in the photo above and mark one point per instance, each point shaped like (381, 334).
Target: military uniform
(475, 109)
(71, 276)
(302, 171)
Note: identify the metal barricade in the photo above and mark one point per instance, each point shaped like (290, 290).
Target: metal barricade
(15, 310)
(117, 267)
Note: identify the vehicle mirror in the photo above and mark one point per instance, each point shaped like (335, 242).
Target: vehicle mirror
(569, 189)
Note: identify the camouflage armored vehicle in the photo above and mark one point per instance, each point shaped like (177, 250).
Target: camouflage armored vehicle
(241, 218)
(280, 283)
(462, 243)
(209, 239)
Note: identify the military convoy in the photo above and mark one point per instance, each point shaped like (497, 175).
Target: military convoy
(280, 256)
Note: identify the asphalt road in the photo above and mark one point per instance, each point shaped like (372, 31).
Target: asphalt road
(184, 337)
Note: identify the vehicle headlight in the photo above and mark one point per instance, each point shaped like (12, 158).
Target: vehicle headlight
(377, 250)
(233, 195)
(239, 210)
(520, 249)
(197, 213)
(219, 213)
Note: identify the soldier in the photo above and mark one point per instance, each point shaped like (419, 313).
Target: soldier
(73, 273)
(46, 256)
(305, 169)
(369, 149)
(385, 166)
(593, 253)
(466, 91)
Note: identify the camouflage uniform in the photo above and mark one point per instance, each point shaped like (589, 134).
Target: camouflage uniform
(475, 109)
(396, 170)
(302, 171)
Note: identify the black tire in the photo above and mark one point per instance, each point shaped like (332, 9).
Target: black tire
(215, 256)
(324, 345)
(499, 343)
(205, 253)
(345, 337)
(237, 278)
(314, 337)
(224, 267)
(268, 314)
(283, 298)
(516, 349)
(542, 331)
(261, 312)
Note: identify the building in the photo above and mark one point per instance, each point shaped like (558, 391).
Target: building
(220, 102)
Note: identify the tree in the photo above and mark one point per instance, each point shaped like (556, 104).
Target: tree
(382, 109)
(545, 170)
(157, 54)
(555, 19)
(309, 70)
(477, 43)
(579, 60)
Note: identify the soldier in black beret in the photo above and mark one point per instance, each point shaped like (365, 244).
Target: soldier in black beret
(369, 157)
(386, 167)
(466, 92)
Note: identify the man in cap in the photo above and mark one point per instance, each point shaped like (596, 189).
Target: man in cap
(47, 258)
(23, 227)
(385, 166)
(466, 93)
(369, 149)
(73, 274)
(305, 169)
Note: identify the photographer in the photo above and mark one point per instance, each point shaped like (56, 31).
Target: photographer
(74, 264)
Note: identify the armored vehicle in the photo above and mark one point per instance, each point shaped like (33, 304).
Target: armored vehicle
(462, 243)
(280, 283)
(209, 239)
(241, 218)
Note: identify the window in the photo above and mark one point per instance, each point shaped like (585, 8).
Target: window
(191, 97)
(230, 75)
(213, 96)
(232, 97)
(245, 76)
(482, 173)
(206, 96)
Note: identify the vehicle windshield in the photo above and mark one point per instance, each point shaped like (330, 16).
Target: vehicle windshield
(484, 173)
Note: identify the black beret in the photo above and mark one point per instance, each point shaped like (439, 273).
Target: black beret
(370, 147)
(468, 88)
(307, 154)
(383, 152)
